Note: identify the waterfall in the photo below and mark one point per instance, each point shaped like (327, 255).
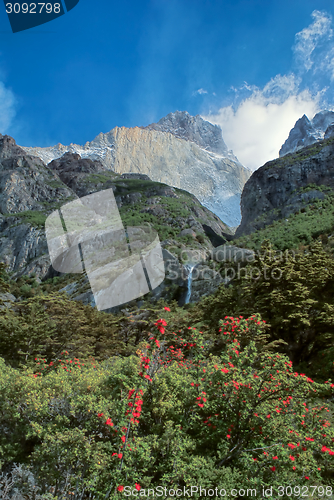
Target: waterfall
(189, 268)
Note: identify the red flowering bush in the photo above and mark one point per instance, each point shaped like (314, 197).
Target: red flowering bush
(173, 415)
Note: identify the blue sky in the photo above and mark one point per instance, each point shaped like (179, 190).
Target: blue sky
(252, 66)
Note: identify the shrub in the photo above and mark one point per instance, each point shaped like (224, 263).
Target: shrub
(171, 416)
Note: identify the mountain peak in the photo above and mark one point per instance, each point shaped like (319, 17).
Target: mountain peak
(194, 129)
(306, 132)
(9, 148)
(180, 150)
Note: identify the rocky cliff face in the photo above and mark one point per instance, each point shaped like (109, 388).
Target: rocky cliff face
(25, 182)
(271, 193)
(30, 191)
(307, 132)
(180, 150)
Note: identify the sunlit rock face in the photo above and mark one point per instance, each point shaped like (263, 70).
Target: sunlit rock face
(180, 150)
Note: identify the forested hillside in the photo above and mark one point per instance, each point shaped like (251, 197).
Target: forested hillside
(234, 391)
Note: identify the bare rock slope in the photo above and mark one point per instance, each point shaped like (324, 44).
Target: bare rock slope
(180, 150)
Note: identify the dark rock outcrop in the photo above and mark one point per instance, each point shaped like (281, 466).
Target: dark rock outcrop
(74, 171)
(271, 193)
(215, 238)
(329, 131)
(28, 192)
(25, 182)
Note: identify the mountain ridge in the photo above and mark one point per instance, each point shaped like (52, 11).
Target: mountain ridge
(166, 157)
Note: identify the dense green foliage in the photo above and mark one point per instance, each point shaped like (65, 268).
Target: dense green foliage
(92, 403)
(170, 416)
(294, 293)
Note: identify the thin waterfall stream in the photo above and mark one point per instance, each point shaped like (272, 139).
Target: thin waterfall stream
(189, 268)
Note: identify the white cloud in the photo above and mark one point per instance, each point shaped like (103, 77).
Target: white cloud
(200, 91)
(326, 63)
(307, 40)
(261, 123)
(7, 108)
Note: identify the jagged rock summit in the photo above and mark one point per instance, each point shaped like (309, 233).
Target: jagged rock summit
(180, 150)
(194, 129)
(307, 132)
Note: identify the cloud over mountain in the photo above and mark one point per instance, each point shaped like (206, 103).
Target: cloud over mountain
(259, 119)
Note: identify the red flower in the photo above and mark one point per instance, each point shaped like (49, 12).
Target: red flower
(123, 438)
(120, 488)
(291, 457)
(275, 458)
(273, 468)
(120, 455)
(109, 422)
(167, 309)
(137, 486)
(100, 414)
(162, 322)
